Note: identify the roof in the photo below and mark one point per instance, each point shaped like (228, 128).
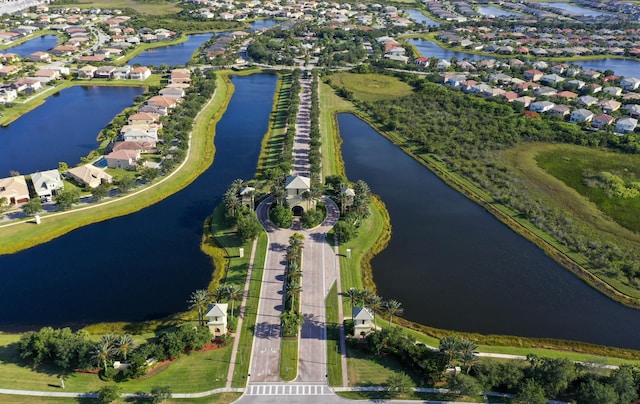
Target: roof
(362, 313)
(14, 187)
(45, 180)
(217, 310)
(247, 190)
(298, 182)
(89, 174)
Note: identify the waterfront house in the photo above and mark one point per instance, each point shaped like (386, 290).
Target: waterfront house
(180, 76)
(7, 94)
(217, 319)
(40, 57)
(15, 190)
(172, 92)
(104, 72)
(626, 125)
(609, 106)
(165, 102)
(46, 75)
(362, 322)
(143, 118)
(581, 115)
(27, 85)
(125, 159)
(64, 50)
(87, 72)
(140, 133)
(141, 147)
(140, 73)
(122, 72)
(89, 175)
(47, 184)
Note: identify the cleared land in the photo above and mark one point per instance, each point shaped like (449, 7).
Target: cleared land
(372, 87)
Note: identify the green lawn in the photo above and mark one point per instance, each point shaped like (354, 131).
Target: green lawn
(333, 337)
(371, 87)
(223, 398)
(331, 105)
(156, 7)
(289, 358)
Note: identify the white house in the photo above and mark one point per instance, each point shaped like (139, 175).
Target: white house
(581, 115)
(541, 106)
(296, 186)
(626, 125)
(362, 321)
(630, 83)
(140, 73)
(217, 319)
(47, 184)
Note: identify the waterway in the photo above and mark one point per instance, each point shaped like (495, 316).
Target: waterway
(575, 10)
(496, 12)
(39, 44)
(420, 18)
(177, 55)
(143, 265)
(453, 265)
(64, 128)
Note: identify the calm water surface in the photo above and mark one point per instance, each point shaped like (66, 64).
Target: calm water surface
(143, 265)
(420, 18)
(39, 44)
(574, 9)
(496, 12)
(64, 128)
(452, 265)
(621, 67)
(430, 49)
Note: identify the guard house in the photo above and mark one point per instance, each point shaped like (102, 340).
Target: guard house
(217, 319)
(347, 196)
(247, 195)
(362, 321)
(296, 186)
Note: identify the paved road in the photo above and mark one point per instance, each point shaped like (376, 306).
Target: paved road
(301, 141)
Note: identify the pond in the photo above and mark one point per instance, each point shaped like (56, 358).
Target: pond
(64, 128)
(430, 49)
(420, 18)
(574, 9)
(491, 11)
(621, 67)
(452, 265)
(143, 265)
(39, 44)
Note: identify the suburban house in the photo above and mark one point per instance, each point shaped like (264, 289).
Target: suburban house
(140, 73)
(15, 190)
(126, 159)
(7, 94)
(551, 79)
(602, 120)
(560, 110)
(533, 75)
(608, 106)
(362, 321)
(87, 72)
(541, 106)
(41, 57)
(217, 319)
(89, 175)
(634, 110)
(139, 133)
(104, 72)
(122, 72)
(581, 115)
(46, 75)
(172, 92)
(295, 187)
(626, 125)
(164, 102)
(47, 184)
(613, 91)
(180, 76)
(630, 84)
(587, 100)
(28, 85)
(141, 147)
(143, 118)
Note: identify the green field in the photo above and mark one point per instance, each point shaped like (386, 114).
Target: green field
(155, 7)
(573, 165)
(371, 87)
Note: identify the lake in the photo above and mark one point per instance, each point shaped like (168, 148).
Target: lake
(430, 49)
(452, 265)
(143, 265)
(496, 12)
(39, 44)
(64, 128)
(621, 67)
(574, 9)
(420, 18)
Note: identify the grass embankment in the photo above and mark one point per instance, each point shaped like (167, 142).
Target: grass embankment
(331, 141)
(351, 275)
(273, 141)
(26, 234)
(372, 87)
(222, 398)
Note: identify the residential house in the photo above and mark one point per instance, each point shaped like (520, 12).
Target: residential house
(140, 73)
(172, 92)
(541, 106)
(551, 79)
(64, 50)
(525, 100)
(362, 322)
(143, 118)
(545, 91)
(587, 100)
(443, 64)
(27, 85)
(125, 159)
(47, 184)
(180, 76)
(609, 106)
(591, 74)
(9, 70)
(560, 110)
(533, 75)
(87, 72)
(575, 84)
(421, 61)
(7, 94)
(601, 120)
(630, 84)
(581, 115)
(593, 88)
(613, 91)
(122, 72)
(89, 175)
(40, 57)
(626, 125)
(15, 190)
(46, 75)
(140, 133)
(295, 187)
(104, 72)
(217, 319)
(566, 95)
(165, 102)
(633, 110)
(141, 147)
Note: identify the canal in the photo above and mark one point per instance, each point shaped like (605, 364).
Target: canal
(452, 265)
(144, 265)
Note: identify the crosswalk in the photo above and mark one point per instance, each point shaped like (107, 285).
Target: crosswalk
(287, 390)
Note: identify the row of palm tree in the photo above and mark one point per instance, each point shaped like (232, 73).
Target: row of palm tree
(291, 318)
(111, 346)
(200, 299)
(459, 350)
(368, 299)
(230, 199)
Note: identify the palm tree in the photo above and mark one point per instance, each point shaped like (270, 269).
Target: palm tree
(237, 185)
(279, 194)
(296, 241)
(101, 354)
(109, 339)
(219, 293)
(234, 293)
(291, 322)
(294, 271)
(231, 202)
(293, 289)
(469, 360)
(293, 255)
(449, 346)
(392, 307)
(306, 196)
(199, 300)
(125, 345)
(353, 294)
(374, 303)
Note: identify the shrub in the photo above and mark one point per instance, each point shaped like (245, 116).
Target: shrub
(281, 216)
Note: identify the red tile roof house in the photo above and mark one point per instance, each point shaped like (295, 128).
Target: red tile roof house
(125, 159)
(141, 147)
(46, 75)
(15, 190)
(9, 70)
(40, 57)
(140, 73)
(601, 120)
(180, 76)
(143, 118)
(533, 75)
(64, 50)
(162, 101)
(567, 95)
(28, 85)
